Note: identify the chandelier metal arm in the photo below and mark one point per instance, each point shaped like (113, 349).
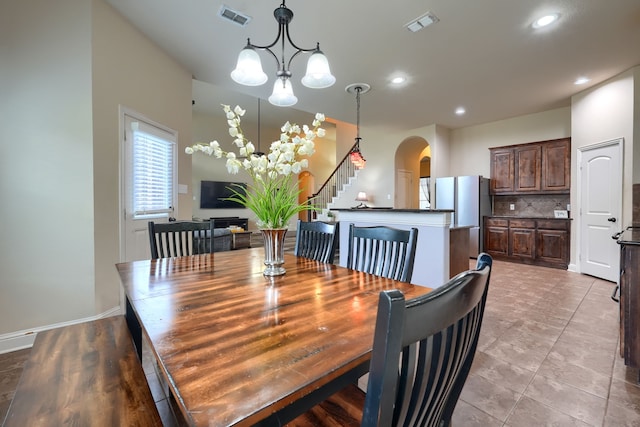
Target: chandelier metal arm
(284, 16)
(249, 71)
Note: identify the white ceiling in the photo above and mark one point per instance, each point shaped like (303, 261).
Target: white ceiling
(482, 55)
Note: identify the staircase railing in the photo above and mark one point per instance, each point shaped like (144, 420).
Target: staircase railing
(336, 181)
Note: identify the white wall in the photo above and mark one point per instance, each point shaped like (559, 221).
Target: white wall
(65, 67)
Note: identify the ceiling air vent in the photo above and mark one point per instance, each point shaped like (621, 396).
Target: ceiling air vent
(422, 22)
(233, 15)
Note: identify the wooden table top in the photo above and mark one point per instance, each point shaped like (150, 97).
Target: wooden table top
(237, 346)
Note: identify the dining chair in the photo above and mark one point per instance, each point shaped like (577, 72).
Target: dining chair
(316, 240)
(180, 238)
(383, 251)
(423, 349)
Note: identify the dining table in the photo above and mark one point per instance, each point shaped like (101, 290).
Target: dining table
(237, 348)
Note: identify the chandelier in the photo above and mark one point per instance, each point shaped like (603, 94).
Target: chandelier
(355, 155)
(249, 72)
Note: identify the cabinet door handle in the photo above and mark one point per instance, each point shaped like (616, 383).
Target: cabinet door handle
(612, 219)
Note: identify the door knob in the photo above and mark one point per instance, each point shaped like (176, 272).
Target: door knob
(612, 219)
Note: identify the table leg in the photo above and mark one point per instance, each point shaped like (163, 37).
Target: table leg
(134, 328)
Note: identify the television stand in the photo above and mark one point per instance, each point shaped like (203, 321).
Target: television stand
(227, 221)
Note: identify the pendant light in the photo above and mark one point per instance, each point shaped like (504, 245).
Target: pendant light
(258, 152)
(249, 71)
(355, 155)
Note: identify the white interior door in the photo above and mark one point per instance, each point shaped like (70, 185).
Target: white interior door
(148, 169)
(600, 179)
(404, 187)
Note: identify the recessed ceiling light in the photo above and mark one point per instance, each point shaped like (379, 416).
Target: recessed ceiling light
(581, 80)
(545, 20)
(398, 80)
(460, 111)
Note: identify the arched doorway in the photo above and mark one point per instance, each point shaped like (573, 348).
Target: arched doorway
(306, 184)
(409, 171)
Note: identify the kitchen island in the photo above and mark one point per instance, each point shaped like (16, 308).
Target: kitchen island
(442, 250)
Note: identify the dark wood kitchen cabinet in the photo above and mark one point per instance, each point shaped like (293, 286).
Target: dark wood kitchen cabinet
(629, 242)
(552, 242)
(522, 239)
(528, 240)
(528, 168)
(502, 170)
(496, 236)
(556, 166)
(534, 168)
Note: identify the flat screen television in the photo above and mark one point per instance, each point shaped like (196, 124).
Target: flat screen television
(213, 193)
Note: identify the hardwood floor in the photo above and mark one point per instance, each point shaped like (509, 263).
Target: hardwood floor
(548, 355)
(11, 365)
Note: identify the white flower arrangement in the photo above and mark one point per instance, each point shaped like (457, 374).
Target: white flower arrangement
(273, 194)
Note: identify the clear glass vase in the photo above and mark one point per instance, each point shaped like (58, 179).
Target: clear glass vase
(274, 251)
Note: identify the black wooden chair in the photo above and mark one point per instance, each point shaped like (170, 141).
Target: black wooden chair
(180, 238)
(422, 353)
(316, 240)
(383, 251)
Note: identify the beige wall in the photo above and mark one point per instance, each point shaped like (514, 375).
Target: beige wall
(46, 164)
(470, 145)
(602, 114)
(67, 66)
(126, 73)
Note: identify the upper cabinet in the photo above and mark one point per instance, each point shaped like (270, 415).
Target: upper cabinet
(534, 168)
(556, 166)
(502, 176)
(528, 168)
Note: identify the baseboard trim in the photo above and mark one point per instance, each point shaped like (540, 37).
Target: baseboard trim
(24, 339)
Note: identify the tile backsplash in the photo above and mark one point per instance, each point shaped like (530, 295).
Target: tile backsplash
(535, 205)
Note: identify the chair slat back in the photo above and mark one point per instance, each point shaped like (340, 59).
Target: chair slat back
(383, 251)
(175, 239)
(423, 350)
(316, 240)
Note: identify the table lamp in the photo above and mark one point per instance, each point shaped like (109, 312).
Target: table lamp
(362, 197)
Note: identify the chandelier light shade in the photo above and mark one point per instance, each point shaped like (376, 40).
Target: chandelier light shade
(282, 95)
(355, 155)
(249, 71)
(318, 74)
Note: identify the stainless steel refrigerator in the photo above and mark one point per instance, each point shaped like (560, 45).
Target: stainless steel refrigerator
(469, 197)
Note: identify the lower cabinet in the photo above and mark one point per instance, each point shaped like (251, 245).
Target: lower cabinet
(531, 241)
(522, 239)
(496, 236)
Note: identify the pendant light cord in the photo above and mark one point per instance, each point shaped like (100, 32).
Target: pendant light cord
(358, 90)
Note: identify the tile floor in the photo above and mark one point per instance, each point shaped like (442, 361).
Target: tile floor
(548, 356)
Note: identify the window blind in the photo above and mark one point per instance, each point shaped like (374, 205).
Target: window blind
(153, 162)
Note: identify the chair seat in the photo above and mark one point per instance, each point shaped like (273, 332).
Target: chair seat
(343, 408)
